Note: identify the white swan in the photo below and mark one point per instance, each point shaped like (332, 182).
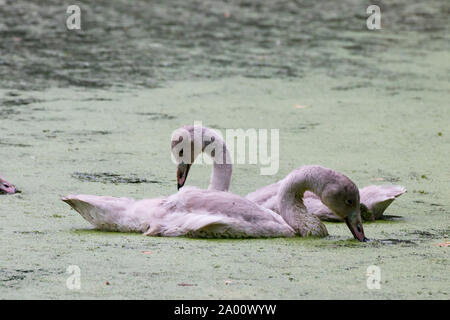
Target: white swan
(7, 187)
(212, 213)
(374, 199)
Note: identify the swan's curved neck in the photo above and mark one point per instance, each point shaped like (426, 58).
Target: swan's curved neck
(290, 194)
(222, 167)
(220, 177)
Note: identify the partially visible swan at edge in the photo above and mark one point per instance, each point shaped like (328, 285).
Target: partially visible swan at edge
(210, 213)
(6, 187)
(374, 199)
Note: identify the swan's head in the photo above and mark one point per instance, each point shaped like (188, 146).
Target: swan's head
(189, 142)
(184, 150)
(342, 197)
(6, 187)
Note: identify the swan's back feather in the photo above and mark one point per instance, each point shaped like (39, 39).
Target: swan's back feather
(234, 216)
(190, 212)
(266, 196)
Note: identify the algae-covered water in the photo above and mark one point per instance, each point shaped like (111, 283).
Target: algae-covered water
(92, 111)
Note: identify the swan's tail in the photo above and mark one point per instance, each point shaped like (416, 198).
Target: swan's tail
(105, 213)
(378, 198)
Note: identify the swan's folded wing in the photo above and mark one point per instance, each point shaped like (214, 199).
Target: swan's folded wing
(218, 214)
(194, 224)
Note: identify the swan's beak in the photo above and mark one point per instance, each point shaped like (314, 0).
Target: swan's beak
(6, 187)
(182, 173)
(353, 221)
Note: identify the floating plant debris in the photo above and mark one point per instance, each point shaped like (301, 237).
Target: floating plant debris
(378, 242)
(20, 101)
(156, 115)
(107, 177)
(396, 241)
(187, 285)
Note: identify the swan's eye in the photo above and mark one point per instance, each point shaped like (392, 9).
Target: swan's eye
(207, 143)
(348, 202)
(5, 185)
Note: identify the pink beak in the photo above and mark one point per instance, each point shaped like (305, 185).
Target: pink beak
(182, 173)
